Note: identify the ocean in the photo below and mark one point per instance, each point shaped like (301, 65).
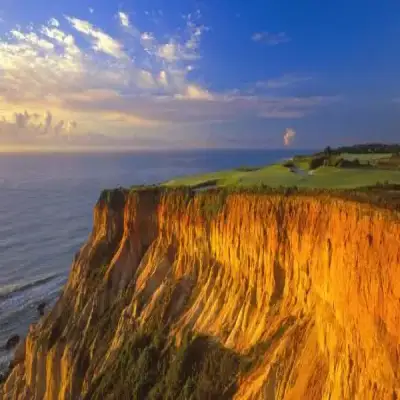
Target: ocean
(46, 203)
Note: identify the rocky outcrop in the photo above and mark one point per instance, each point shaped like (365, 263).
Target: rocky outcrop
(303, 290)
(12, 342)
(40, 308)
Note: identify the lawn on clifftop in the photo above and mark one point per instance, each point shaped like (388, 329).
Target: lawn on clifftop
(326, 176)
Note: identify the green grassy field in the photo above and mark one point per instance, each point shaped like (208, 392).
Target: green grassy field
(365, 157)
(327, 177)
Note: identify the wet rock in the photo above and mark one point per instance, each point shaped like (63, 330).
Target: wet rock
(3, 377)
(41, 308)
(12, 342)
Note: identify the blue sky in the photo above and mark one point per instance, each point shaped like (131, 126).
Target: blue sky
(184, 74)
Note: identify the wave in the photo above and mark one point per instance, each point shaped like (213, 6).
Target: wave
(8, 290)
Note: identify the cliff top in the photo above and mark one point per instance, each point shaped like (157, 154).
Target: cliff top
(330, 169)
(365, 174)
(382, 196)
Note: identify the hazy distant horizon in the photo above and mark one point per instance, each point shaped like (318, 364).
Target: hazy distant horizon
(142, 150)
(84, 150)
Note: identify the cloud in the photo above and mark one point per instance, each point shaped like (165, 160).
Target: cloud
(100, 41)
(283, 81)
(288, 136)
(61, 38)
(49, 63)
(26, 127)
(173, 51)
(199, 108)
(183, 49)
(138, 83)
(70, 126)
(32, 39)
(21, 119)
(54, 22)
(196, 92)
(270, 39)
(124, 19)
(163, 79)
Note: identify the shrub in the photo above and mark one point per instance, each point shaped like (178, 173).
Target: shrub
(317, 162)
(289, 164)
(200, 368)
(247, 169)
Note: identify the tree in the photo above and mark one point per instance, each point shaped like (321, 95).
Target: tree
(317, 162)
(328, 151)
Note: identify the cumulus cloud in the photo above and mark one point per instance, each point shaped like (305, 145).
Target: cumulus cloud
(47, 122)
(21, 119)
(26, 127)
(270, 39)
(288, 136)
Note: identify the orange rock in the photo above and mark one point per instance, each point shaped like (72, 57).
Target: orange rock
(313, 281)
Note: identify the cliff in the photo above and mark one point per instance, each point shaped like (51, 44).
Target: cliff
(217, 295)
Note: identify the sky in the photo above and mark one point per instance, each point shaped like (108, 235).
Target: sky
(182, 74)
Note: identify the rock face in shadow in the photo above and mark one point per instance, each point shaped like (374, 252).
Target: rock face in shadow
(12, 342)
(298, 294)
(40, 308)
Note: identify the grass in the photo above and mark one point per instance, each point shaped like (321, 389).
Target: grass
(196, 180)
(364, 158)
(277, 175)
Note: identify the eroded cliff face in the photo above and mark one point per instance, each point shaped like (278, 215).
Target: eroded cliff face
(305, 289)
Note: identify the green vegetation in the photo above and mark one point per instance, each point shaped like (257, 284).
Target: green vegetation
(150, 367)
(368, 148)
(330, 169)
(211, 203)
(277, 175)
(247, 169)
(114, 198)
(318, 161)
(372, 176)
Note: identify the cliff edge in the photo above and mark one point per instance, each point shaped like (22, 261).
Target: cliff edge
(179, 295)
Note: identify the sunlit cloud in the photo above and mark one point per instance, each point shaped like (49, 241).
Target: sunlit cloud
(32, 39)
(124, 19)
(53, 86)
(288, 136)
(25, 127)
(101, 41)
